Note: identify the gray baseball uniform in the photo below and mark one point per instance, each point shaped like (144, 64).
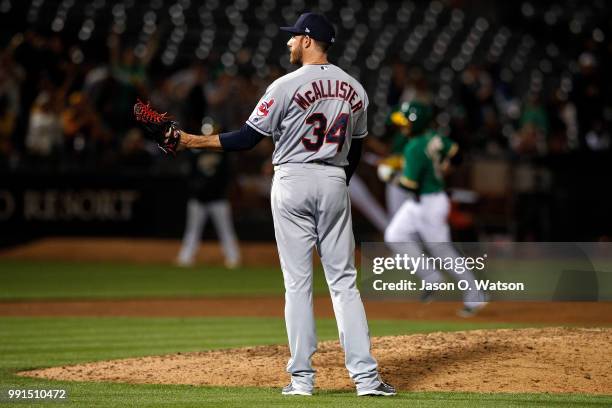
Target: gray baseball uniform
(311, 115)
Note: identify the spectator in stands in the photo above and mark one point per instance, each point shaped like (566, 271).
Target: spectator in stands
(534, 113)
(489, 137)
(221, 91)
(45, 137)
(417, 88)
(127, 66)
(587, 95)
(476, 95)
(399, 81)
(136, 151)
(84, 132)
(197, 103)
(531, 138)
(128, 80)
(9, 102)
(183, 94)
(563, 135)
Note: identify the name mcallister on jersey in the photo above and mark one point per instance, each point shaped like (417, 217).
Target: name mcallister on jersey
(322, 89)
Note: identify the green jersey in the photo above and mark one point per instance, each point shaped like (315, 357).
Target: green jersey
(425, 158)
(398, 143)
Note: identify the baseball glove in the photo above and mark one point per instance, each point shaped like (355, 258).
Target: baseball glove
(160, 126)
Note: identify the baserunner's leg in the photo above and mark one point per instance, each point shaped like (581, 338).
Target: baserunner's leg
(435, 231)
(402, 237)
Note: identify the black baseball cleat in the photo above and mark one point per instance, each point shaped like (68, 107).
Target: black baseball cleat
(290, 389)
(383, 390)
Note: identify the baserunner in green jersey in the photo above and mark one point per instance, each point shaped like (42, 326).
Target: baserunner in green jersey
(390, 169)
(426, 154)
(424, 217)
(426, 161)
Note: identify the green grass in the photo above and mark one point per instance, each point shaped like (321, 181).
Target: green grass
(29, 279)
(40, 342)
(55, 280)
(20, 280)
(27, 343)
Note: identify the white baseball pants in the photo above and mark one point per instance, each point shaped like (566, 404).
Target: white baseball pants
(311, 209)
(221, 214)
(426, 221)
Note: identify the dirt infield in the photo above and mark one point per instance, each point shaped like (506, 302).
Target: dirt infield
(134, 250)
(579, 313)
(557, 360)
(257, 254)
(574, 360)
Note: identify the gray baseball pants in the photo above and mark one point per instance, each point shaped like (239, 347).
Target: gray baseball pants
(311, 209)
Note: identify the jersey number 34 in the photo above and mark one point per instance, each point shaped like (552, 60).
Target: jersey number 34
(335, 134)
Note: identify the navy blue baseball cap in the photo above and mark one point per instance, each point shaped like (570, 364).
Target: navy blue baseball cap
(315, 26)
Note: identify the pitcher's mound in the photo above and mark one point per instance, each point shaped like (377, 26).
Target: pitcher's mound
(526, 360)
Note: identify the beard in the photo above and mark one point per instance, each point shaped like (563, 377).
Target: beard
(295, 55)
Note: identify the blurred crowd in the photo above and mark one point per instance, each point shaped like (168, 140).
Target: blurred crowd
(491, 118)
(58, 108)
(61, 111)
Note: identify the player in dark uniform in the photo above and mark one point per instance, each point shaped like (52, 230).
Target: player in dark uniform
(208, 185)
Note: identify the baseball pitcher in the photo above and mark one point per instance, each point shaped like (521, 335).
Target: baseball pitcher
(316, 117)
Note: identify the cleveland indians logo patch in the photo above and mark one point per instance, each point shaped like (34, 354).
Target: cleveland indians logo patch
(264, 108)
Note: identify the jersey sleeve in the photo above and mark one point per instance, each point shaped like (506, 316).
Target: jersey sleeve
(413, 165)
(268, 113)
(449, 148)
(361, 125)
